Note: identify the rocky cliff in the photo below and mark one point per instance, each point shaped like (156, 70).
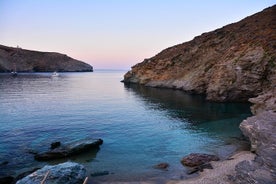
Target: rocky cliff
(33, 61)
(233, 63)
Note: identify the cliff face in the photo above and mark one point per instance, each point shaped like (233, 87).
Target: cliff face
(233, 63)
(34, 61)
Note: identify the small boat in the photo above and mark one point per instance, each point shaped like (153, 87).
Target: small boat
(55, 74)
(14, 74)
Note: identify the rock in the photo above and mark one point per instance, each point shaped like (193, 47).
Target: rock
(69, 150)
(99, 173)
(68, 172)
(6, 180)
(197, 159)
(261, 130)
(55, 145)
(200, 168)
(233, 63)
(4, 163)
(162, 166)
(251, 172)
(264, 102)
(34, 61)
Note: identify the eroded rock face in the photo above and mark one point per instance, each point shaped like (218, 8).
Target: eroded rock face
(260, 129)
(34, 61)
(232, 63)
(197, 159)
(68, 172)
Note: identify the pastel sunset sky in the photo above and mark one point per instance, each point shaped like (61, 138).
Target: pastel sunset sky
(115, 34)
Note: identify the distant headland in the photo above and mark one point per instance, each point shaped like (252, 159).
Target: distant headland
(22, 60)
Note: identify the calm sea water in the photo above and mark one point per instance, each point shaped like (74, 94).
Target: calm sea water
(140, 126)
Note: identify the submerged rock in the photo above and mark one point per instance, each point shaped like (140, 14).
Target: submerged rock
(99, 173)
(55, 145)
(67, 173)
(162, 166)
(69, 150)
(197, 159)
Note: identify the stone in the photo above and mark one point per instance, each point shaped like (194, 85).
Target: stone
(68, 172)
(99, 173)
(260, 129)
(162, 166)
(55, 145)
(74, 148)
(197, 159)
(200, 168)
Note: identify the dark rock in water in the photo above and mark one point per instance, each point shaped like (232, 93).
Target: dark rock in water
(100, 173)
(197, 159)
(55, 145)
(200, 168)
(162, 166)
(6, 180)
(4, 163)
(33, 152)
(69, 150)
(68, 172)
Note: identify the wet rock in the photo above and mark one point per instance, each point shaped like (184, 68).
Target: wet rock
(4, 163)
(197, 159)
(68, 172)
(99, 173)
(55, 145)
(162, 166)
(69, 150)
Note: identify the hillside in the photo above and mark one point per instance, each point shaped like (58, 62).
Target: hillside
(233, 63)
(34, 61)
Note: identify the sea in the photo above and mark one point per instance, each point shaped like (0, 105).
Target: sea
(140, 126)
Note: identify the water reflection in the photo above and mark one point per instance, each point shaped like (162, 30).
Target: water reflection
(192, 109)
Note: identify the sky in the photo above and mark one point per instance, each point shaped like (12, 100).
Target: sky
(115, 34)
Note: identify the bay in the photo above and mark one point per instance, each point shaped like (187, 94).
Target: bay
(140, 126)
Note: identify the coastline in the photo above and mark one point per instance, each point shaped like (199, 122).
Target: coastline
(221, 171)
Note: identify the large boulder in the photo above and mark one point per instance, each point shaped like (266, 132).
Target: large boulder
(197, 159)
(260, 130)
(65, 173)
(74, 148)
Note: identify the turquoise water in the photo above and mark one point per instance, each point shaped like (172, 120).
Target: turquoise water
(140, 126)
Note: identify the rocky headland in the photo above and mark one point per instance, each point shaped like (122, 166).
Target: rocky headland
(22, 60)
(234, 63)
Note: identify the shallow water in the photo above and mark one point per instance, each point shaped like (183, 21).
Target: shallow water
(140, 126)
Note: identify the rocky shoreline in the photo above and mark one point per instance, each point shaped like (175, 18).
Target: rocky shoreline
(234, 63)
